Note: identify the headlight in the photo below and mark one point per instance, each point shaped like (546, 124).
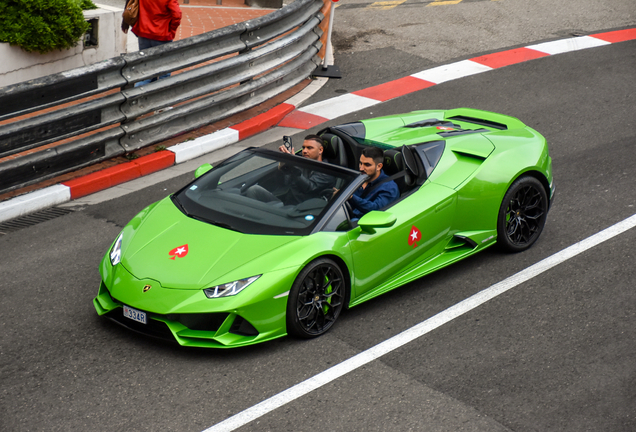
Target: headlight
(115, 252)
(229, 289)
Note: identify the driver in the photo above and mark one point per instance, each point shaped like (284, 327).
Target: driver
(378, 191)
(301, 184)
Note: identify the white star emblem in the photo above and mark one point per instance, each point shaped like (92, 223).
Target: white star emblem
(413, 235)
(180, 251)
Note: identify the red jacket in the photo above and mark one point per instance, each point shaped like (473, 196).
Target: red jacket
(158, 19)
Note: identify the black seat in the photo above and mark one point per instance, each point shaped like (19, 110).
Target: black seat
(394, 164)
(334, 150)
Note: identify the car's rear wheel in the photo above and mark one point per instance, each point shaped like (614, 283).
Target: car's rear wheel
(316, 299)
(522, 214)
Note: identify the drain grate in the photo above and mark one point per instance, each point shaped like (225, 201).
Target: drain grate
(32, 219)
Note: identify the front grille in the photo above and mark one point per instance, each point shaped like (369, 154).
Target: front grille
(195, 321)
(199, 321)
(210, 322)
(242, 327)
(154, 328)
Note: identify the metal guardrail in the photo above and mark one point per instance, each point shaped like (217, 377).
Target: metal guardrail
(94, 113)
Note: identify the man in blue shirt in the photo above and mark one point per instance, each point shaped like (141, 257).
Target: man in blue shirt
(376, 192)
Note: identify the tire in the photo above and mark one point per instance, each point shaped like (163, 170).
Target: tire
(522, 214)
(315, 299)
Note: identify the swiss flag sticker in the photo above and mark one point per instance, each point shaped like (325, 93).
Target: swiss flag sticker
(178, 252)
(415, 236)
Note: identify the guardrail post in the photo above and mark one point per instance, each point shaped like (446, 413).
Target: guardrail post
(326, 70)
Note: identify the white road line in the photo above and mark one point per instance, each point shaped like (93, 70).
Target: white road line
(331, 374)
(452, 71)
(562, 46)
(339, 106)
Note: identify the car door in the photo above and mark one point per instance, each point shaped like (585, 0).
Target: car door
(420, 232)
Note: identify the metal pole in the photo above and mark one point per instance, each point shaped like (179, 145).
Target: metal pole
(329, 50)
(325, 70)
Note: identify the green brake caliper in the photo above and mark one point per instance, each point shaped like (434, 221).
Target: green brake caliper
(327, 291)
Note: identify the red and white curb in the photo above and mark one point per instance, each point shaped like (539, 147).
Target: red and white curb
(287, 115)
(312, 115)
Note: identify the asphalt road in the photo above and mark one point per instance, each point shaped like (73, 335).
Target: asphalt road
(375, 43)
(555, 353)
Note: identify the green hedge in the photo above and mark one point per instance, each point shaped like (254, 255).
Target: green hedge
(43, 25)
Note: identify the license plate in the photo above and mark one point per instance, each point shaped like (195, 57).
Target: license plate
(135, 315)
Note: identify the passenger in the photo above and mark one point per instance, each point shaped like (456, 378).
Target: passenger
(301, 185)
(378, 191)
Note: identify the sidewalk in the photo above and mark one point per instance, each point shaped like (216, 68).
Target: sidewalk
(200, 16)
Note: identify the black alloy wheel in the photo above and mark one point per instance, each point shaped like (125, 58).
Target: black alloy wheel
(522, 214)
(316, 299)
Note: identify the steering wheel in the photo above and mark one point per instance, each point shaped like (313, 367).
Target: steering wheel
(326, 194)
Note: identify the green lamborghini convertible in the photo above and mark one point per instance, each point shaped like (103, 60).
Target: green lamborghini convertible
(213, 266)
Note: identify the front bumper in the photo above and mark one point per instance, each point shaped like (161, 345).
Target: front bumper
(189, 317)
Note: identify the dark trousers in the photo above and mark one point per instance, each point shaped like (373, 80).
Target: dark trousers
(145, 43)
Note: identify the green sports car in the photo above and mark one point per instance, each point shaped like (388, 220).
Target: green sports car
(211, 266)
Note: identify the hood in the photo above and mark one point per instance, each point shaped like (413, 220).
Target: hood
(183, 253)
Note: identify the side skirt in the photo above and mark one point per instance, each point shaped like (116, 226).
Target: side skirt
(461, 246)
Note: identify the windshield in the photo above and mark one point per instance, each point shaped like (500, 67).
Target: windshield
(263, 192)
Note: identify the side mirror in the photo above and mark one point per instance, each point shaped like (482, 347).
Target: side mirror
(202, 170)
(376, 219)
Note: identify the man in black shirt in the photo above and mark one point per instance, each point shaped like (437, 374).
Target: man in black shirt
(302, 184)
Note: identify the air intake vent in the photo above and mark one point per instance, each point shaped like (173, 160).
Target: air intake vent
(32, 219)
(461, 132)
(481, 122)
(431, 122)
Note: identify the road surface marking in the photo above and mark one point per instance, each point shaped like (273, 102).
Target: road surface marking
(397, 341)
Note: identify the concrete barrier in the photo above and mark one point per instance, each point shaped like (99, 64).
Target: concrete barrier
(106, 41)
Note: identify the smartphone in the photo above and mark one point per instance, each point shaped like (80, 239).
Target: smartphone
(287, 141)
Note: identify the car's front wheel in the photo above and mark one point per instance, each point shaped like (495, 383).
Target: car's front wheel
(316, 299)
(522, 214)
